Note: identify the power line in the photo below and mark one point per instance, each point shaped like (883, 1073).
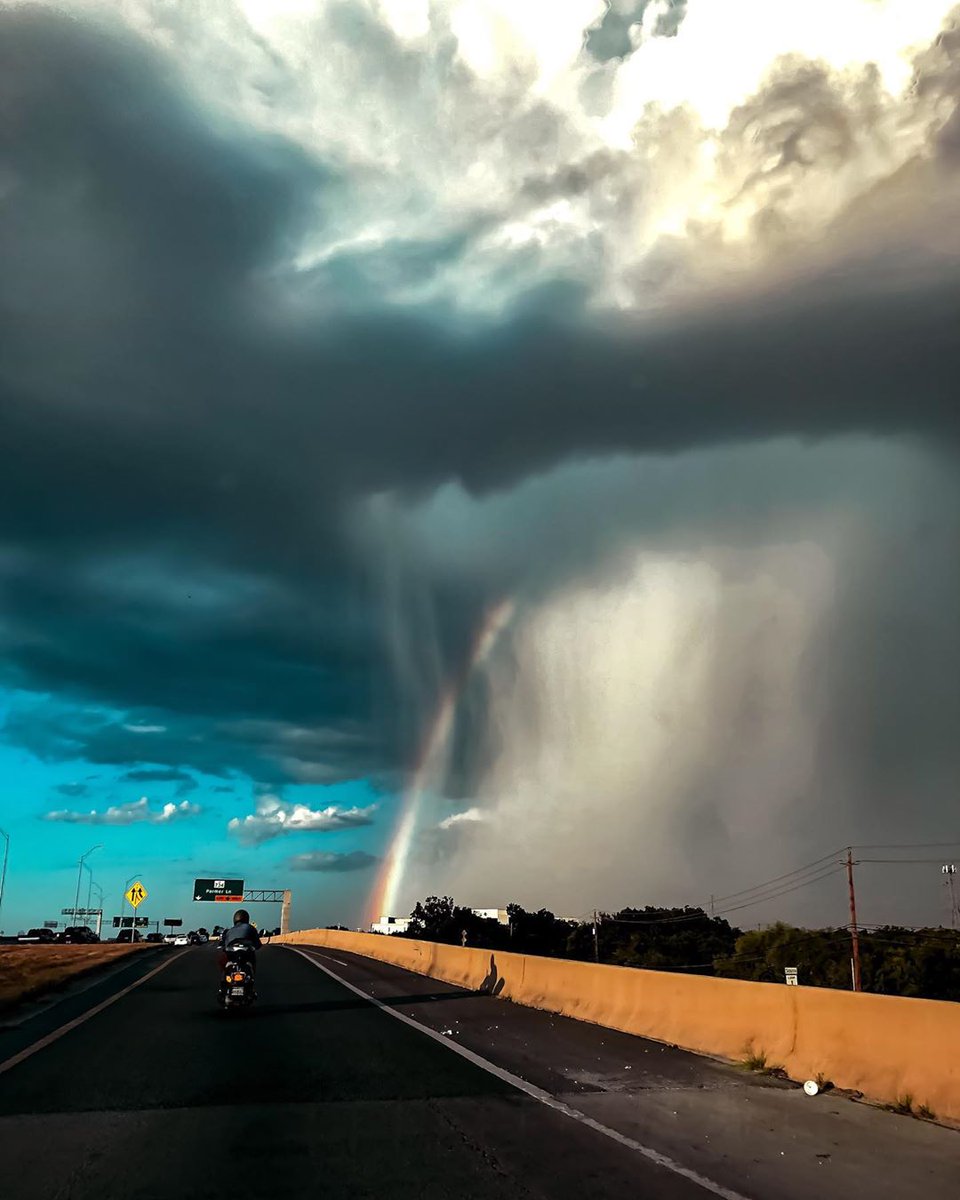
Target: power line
(760, 893)
(700, 914)
(909, 846)
(817, 863)
(906, 861)
(834, 870)
(911, 928)
(935, 942)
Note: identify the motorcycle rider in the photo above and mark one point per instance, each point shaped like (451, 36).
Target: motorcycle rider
(242, 934)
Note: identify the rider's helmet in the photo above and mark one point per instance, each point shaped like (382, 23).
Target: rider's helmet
(241, 917)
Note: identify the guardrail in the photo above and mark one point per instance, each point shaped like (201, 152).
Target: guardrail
(888, 1048)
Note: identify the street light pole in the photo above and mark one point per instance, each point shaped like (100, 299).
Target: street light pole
(3, 870)
(89, 871)
(100, 902)
(76, 903)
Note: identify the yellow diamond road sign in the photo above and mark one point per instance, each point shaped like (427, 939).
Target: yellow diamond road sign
(137, 894)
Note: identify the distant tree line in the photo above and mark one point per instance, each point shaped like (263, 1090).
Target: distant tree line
(893, 960)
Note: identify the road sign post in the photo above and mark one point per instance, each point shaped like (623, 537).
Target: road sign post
(135, 896)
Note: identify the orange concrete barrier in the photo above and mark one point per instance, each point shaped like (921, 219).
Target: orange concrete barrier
(887, 1047)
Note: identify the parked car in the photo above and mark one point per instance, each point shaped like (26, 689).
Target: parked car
(77, 935)
(129, 935)
(40, 936)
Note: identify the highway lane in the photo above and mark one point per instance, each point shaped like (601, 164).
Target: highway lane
(759, 1136)
(315, 1091)
(159, 1094)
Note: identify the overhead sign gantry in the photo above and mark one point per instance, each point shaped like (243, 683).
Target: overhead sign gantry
(232, 891)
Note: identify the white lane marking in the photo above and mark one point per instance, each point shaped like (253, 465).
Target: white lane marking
(662, 1160)
(55, 1036)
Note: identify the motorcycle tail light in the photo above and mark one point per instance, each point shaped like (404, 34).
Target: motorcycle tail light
(238, 979)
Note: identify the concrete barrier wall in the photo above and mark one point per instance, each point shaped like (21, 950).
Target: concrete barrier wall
(886, 1047)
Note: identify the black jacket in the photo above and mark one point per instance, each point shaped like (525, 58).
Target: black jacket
(241, 933)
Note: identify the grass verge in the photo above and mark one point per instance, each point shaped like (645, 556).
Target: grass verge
(28, 972)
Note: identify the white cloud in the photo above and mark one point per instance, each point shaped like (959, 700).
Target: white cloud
(470, 814)
(173, 812)
(145, 728)
(133, 813)
(274, 817)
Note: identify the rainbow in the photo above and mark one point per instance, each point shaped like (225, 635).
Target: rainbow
(384, 896)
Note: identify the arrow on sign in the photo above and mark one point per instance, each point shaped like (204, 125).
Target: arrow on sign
(137, 894)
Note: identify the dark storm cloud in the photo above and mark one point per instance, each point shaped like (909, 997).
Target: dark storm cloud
(269, 752)
(72, 789)
(328, 860)
(163, 224)
(158, 775)
(171, 392)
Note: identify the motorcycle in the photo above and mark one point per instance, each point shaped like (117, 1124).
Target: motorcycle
(237, 988)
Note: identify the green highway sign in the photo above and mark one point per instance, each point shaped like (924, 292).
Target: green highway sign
(218, 889)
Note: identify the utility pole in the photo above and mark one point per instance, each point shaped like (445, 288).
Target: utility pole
(949, 872)
(3, 869)
(712, 913)
(596, 940)
(854, 932)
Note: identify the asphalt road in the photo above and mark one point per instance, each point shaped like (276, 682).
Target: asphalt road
(316, 1091)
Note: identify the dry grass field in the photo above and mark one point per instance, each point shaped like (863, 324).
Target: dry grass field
(28, 971)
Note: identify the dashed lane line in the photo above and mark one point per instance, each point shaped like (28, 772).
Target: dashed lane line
(57, 1034)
